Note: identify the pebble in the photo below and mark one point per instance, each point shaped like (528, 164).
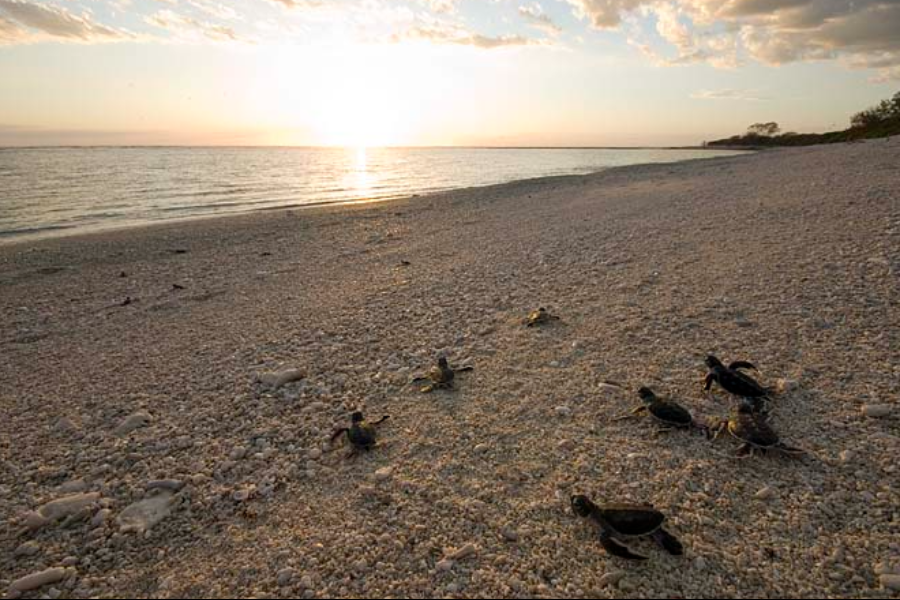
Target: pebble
(462, 552)
(700, 563)
(611, 579)
(284, 577)
(314, 454)
(242, 495)
(877, 411)
(481, 448)
(134, 421)
(889, 581)
(509, 534)
(142, 516)
(444, 565)
(563, 411)
(76, 486)
(27, 549)
(238, 453)
(566, 445)
(276, 379)
(173, 485)
(785, 386)
(100, 518)
(67, 506)
(384, 473)
(846, 456)
(765, 493)
(39, 579)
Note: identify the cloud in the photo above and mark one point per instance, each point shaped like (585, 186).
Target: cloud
(728, 94)
(860, 33)
(535, 14)
(299, 3)
(55, 22)
(10, 33)
(456, 35)
(190, 29)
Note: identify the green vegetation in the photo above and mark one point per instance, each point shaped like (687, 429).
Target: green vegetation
(876, 122)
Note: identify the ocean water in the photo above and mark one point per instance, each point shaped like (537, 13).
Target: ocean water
(58, 191)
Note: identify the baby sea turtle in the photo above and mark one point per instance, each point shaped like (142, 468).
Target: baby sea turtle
(754, 433)
(626, 520)
(360, 434)
(440, 376)
(665, 411)
(734, 381)
(540, 316)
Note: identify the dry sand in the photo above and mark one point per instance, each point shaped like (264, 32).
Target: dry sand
(788, 258)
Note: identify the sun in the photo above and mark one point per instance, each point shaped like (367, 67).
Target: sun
(351, 95)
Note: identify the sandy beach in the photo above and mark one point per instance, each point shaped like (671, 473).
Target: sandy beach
(133, 386)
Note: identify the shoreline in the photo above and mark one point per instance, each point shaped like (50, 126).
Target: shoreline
(136, 366)
(36, 235)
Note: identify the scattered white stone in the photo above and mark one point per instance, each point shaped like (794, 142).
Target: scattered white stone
(877, 411)
(242, 495)
(134, 421)
(40, 579)
(889, 581)
(142, 516)
(76, 486)
(444, 565)
(462, 552)
(611, 579)
(384, 473)
(482, 448)
(284, 576)
(563, 411)
(276, 379)
(173, 485)
(765, 493)
(62, 508)
(509, 534)
(609, 388)
(27, 549)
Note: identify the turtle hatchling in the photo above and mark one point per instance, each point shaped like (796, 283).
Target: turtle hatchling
(440, 376)
(360, 434)
(734, 381)
(540, 316)
(754, 433)
(665, 411)
(626, 520)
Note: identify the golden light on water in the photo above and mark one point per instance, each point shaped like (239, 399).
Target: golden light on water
(362, 179)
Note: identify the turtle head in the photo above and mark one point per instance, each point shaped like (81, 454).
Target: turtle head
(712, 362)
(357, 417)
(646, 394)
(442, 362)
(581, 505)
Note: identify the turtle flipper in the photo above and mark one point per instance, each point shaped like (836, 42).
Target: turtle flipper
(669, 542)
(617, 548)
(338, 434)
(790, 450)
(742, 364)
(381, 420)
(463, 369)
(708, 382)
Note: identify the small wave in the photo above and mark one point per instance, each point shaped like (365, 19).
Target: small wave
(33, 230)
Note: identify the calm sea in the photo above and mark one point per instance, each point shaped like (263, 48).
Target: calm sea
(57, 191)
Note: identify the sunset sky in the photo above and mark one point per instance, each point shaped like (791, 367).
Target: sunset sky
(436, 72)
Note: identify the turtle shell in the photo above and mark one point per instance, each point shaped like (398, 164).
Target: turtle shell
(671, 413)
(753, 430)
(739, 383)
(632, 519)
(362, 435)
(440, 375)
